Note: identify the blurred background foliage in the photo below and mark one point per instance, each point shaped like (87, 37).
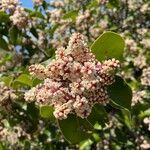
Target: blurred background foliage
(29, 36)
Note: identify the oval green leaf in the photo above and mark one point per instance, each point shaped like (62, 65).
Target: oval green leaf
(98, 115)
(47, 112)
(74, 129)
(120, 93)
(108, 45)
(13, 34)
(23, 79)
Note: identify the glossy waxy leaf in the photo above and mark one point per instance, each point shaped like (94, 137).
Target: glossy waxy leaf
(108, 45)
(47, 112)
(120, 93)
(74, 129)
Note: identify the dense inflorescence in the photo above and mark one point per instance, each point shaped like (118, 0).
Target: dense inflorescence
(6, 94)
(147, 122)
(12, 135)
(138, 97)
(74, 81)
(145, 79)
(19, 18)
(9, 4)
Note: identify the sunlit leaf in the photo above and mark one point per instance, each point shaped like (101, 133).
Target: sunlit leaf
(23, 79)
(47, 112)
(108, 45)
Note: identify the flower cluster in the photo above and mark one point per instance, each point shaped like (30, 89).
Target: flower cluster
(138, 97)
(41, 39)
(38, 2)
(145, 79)
(131, 45)
(142, 142)
(145, 144)
(19, 18)
(6, 94)
(147, 121)
(140, 61)
(74, 81)
(57, 3)
(9, 4)
(12, 135)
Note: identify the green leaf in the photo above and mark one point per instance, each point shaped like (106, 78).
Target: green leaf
(47, 112)
(33, 116)
(93, 3)
(34, 32)
(74, 129)
(53, 29)
(23, 79)
(71, 15)
(7, 80)
(108, 45)
(98, 115)
(113, 3)
(138, 108)
(127, 117)
(144, 114)
(3, 44)
(85, 145)
(13, 34)
(36, 14)
(1, 147)
(4, 17)
(45, 5)
(36, 81)
(120, 93)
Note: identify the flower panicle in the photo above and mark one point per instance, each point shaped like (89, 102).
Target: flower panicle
(74, 81)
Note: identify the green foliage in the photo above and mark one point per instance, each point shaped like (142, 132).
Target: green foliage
(108, 45)
(47, 112)
(74, 129)
(1, 147)
(115, 126)
(71, 15)
(36, 14)
(3, 44)
(13, 34)
(98, 115)
(23, 79)
(113, 3)
(7, 80)
(4, 17)
(120, 93)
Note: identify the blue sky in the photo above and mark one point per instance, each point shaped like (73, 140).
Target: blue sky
(27, 3)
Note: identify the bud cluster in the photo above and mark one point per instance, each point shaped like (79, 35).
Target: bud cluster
(19, 17)
(12, 135)
(147, 122)
(6, 94)
(145, 79)
(74, 81)
(9, 4)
